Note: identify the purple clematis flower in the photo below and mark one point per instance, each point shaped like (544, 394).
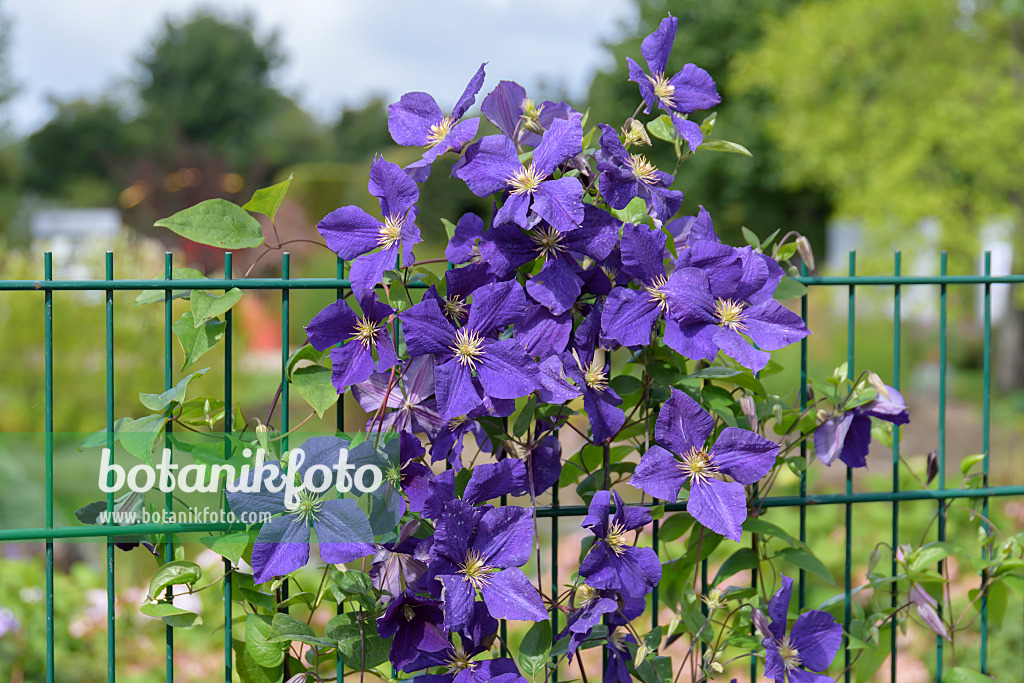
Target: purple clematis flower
(362, 337)
(516, 115)
(282, 546)
(447, 443)
(413, 409)
(478, 549)
(625, 176)
(463, 245)
(503, 368)
(848, 435)
(688, 229)
(493, 165)
(683, 429)
(809, 647)
(416, 623)
(558, 284)
(689, 90)
(590, 373)
(353, 234)
(416, 121)
(613, 564)
(460, 283)
(400, 564)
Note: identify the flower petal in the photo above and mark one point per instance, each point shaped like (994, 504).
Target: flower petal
(456, 392)
(331, 326)
(497, 305)
(410, 119)
(281, 547)
(396, 191)
(658, 475)
(561, 142)
(560, 202)
(350, 231)
(493, 162)
(468, 96)
(773, 326)
(719, 505)
(658, 46)
(506, 371)
(744, 455)
(510, 595)
(817, 637)
(629, 316)
(682, 424)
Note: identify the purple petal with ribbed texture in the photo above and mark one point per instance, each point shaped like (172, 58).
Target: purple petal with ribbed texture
(351, 364)
(773, 666)
(493, 162)
(658, 475)
(350, 231)
(739, 350)
(719, 505)
(773, 326)
(333, 325)
(858, 439)
(504, 105)
(611, 154)
(468, 96)
(396, 191)
(504, 536)
(830, 436)
(596, 236)
(515, 210)
(630, 517)
(368, 270)
(262, 499)
(557, 285)
(597, 514)
(506, 371)
(688, 229)
(496, 306)
(555, 387)
(658, 46)
(454, 529)
(817, 637)
(542, 333)
(695, 341)
(493, 480)
(629, 316)
(744, 455)
(775, 275)
(633, 572)
(663, 203)
(778, 608)
(544, 465)
(427, 331)
(506, 247)
(606, 418)
(560, 202)
(891, 409)
(510, 595)
(343, 531)
(419, 379)
(618, 187)
(561, 142)
(643, 252)
(386, 356)
(638, 76)
(456, 392)
(694, 89)
(410, 119)
(418, 170)
(281, 547)
(458, 597)
(682, 424)
(458, 137)
(689, 131)
(803, 676)
(468, 231)
(416, 479)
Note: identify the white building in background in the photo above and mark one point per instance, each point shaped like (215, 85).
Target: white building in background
(74, 235)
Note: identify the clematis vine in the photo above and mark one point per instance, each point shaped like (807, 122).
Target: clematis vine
(807, 649)
(612, 563)
(848, 434)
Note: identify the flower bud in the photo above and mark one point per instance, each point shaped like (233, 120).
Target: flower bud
(713, 599)
(641, 655)
(263, 437)
(761, 623)
(821, 417)
(803, 247)
(876, 381)
(749, 410)
(634, 133)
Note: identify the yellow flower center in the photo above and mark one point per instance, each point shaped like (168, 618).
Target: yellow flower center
(459, 661)
(309, 505)
(788, 654)
(408, 612)
(644, 170)
(457, 421)
(525, 180)
(584, 594)
(657, 295)
(663, 90)
(617, 639)
(697, 464)
(548, 241)
(531, 117)
(475, 570)
(469, 347)
(634, 133)
(617, 540)
(390, 231)
(594, 375)
(455, 306)
(366, 332)
(439, 131)
(730, 314)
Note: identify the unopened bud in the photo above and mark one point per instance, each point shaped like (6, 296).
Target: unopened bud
(750, 410)
(876, 381)
(263, 437)
(761, 623)
(634, 133)
(821, 417)
(641, 655)
(803, 247)
(717, 668)
(531, 117)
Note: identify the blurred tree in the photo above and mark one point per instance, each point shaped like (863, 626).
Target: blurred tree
(902, 111)
(737, 190)
(361, 133)
(9, 167)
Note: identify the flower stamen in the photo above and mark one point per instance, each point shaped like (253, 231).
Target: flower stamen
(788, 654)
(697, 464)
(548, 241)
(469, 347)
(439, 131)
(594, 375)
(730, 314)
(663, 90)
(525, 180)
(390, 231)
(617, 538)
(459, 661)
(643, 170)
(475, 570)
(657, 295)
(366, 332)
(456, 308)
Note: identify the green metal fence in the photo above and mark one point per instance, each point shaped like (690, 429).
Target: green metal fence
(852, 283)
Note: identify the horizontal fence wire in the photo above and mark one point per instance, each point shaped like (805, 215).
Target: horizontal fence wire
(555, 511)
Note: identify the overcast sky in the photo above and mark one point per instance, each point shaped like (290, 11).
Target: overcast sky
(338, 51)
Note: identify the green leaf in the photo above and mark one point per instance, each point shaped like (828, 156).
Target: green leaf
(742, 559)
(449, 227)
(195, 341)
(805, 559)
(230, 545)
(872, 658)
(634, 212)
(206, 305)
(305, 353)
(750, 237)
(716, 372)
(755, 525)
(970, 461)
(662, 128)
(158, 402)
(525, 417)
(360, 647)
(152, 296)
(959, 674)
(268, 199)
(624, 385)
(928, 556)
(175, 617)
(286, 629)
(996, 602)
(257, 630)
(534, 650)
(314, 384)
(174, 573)
(139, 436)
(674, 527)
(789, 289)
(248, 670)
(216, 222)
(713, 145)
(304, 598)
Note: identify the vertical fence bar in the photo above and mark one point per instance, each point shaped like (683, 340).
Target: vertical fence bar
(285, 342)
(340, 292)
(48, 383)
(897, 332)
(942, 444)
(228, 426)
(985, 407)
(109, 333)
(168, 497)
(851, 335)
(802, 577)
